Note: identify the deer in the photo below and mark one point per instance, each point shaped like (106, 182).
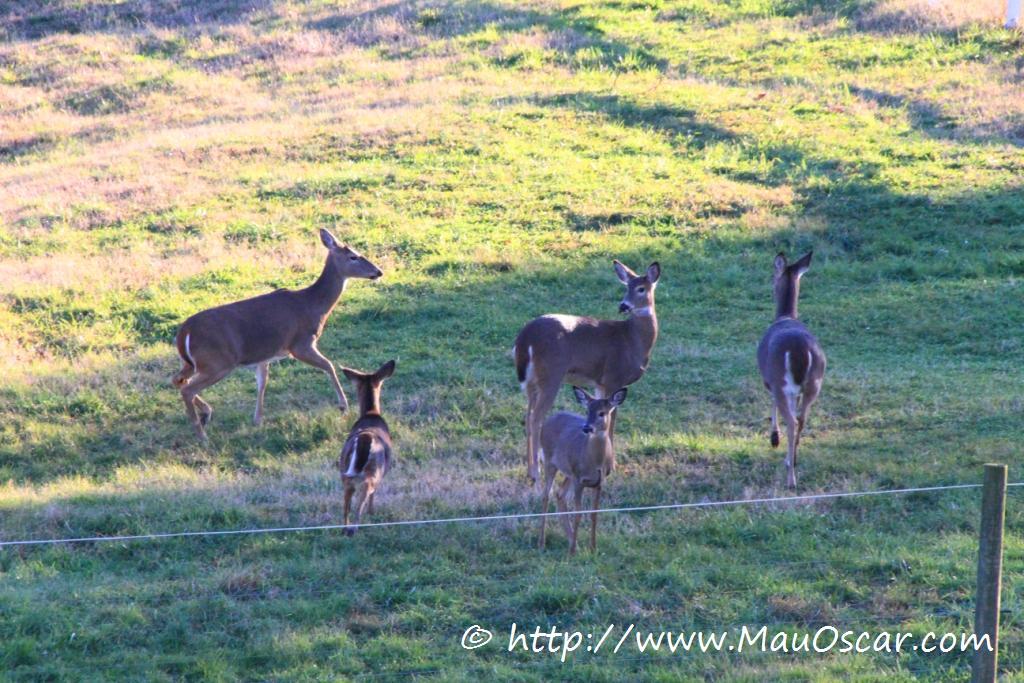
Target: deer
(580, 448)
(366, 455)
(257, 331)
(790, 359)
(604, 354)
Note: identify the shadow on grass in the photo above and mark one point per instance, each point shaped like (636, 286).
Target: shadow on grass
(929, 118)
(395, 27)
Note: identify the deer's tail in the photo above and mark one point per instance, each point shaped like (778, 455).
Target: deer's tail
(363, 445)
(189, 368)
(522, 354)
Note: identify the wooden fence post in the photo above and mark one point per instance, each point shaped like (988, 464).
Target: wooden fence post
(990, 572)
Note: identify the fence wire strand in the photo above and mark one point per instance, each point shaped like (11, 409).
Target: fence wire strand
(491, 518)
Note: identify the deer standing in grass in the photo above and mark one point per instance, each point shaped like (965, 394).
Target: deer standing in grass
(791, 361)
(605, 354)
(580, 448)
(253, 332)
(366, 456)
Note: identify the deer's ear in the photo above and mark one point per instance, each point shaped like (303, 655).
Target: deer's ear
(618, 397)
(804, 264)
(353, 375)
(653, 272)
(623, 272)
(327, 238)
(385, 371)
(581, 396)
(780, 263)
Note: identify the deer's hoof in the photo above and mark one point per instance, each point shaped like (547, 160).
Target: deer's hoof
(350, 532)
(775, 439)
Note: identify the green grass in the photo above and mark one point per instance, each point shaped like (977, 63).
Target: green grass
(159, 157)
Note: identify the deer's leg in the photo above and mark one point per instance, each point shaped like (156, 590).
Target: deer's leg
(561, 504)
(262, 374)
(774, 437)
(365, 503)
(577, 504)
(369, 506)
(205, 411)
(549, 480)
(546, 395)
(786, 404)
(349, 490)
(809, 396)
(531, 401)
(593, 518)
(310, 355)
(190, 393)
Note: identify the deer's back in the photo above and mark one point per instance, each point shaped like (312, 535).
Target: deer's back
(581, 348)
(788, 336)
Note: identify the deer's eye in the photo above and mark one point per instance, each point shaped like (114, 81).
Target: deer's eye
(601, 414)
(353, 258)
(641, 290)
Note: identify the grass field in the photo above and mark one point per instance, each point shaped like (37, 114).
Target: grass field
(161, 156)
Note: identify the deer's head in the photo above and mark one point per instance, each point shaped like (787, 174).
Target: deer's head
(599, 410)
(347, 261)
(639, 296)
(368, 385)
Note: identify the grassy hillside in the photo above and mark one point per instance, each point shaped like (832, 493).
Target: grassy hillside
(161, 156)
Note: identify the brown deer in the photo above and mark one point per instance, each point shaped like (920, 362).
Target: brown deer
(580, 448)
(253, 332)
(791, 361)
(366, 456)
(605, 354)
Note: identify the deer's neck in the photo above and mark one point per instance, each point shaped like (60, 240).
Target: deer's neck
(369, 401)
(785, 307)
(644, 329)
(325, 292)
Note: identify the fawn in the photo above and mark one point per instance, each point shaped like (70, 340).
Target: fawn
(581, 449)
(791, 361)
(367, 455)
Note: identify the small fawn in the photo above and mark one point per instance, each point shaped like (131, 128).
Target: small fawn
(791, 361)
(581, 449)
(366, 456)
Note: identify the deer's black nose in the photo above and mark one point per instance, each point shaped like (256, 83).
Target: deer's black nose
(623, 307)
(587, 429)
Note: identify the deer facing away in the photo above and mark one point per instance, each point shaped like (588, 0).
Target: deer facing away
(367, 455)
(605, 354)
(791, 361)
(581, 449)
(253, 332)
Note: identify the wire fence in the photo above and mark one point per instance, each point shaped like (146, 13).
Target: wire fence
(491, 518)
